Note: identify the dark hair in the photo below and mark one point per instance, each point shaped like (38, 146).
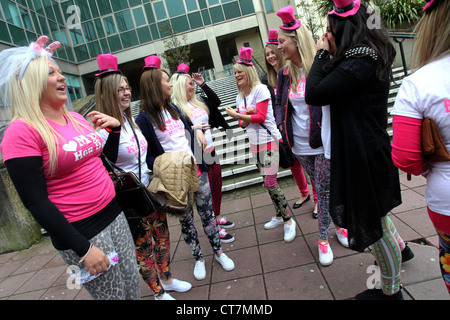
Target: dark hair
(152, 99)
(351, 32)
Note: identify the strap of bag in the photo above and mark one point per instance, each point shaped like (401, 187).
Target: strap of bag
(262, 124)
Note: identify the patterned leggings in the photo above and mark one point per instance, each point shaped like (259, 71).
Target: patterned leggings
(203, 202)
(267, 163)
(388, 254)
(153, 251)
(120, 282)
(318, 168)
(442, 225)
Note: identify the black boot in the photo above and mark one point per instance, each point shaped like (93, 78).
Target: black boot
(377, 294)
(407, 254)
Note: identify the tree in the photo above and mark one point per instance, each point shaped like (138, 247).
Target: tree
(311, 17)
(177, 50)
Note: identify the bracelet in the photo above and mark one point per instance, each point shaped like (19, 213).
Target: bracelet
(322, 53)
(238, 115)
(84, 257)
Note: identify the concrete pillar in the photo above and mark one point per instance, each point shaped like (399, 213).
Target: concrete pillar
(262, 22)
(18, 229)
(215, 53)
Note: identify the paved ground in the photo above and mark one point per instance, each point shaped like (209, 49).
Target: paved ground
(266, 267)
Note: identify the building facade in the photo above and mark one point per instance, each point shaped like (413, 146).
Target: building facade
(134, 29)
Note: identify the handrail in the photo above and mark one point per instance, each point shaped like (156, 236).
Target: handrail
(399, 37)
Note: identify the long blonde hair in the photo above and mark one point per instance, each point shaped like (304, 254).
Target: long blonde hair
(107, 99)
(432, 39)
(272, 74)
(179, 97)
(24, 97)
(305, 44)
(252, 77)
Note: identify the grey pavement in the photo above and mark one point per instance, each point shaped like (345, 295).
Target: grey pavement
(267, 268)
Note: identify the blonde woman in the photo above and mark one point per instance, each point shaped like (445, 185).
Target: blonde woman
(254, 110)
(52, 156)
(426, 93)
(203, 113)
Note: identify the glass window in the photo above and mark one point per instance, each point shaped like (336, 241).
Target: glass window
(134, 2)
(149, 12)
(104, 7)
(99, 28)
(104, 45)
(44, 27)
(59, 17)
(164, 28)
(114, 43)
(94, 10)
(118, 5)
(129, 39)
(180, 24)
(11, 13)
(206, 18)
(213, 2)
(154, 31)
(175, 7)
(195, 20)
(36, 23)
(54, 29)
(18, 36)
(144, 35)
(124, 21)
(48, 8)
(4, 35)
(81, 52)
(139, 17)
(231, 10)
(268, 4)
(89, 31)
(64, 38)
(76, 36)
(94, 49)
(202, 4)
(69, 52)
(26, 18)
(216, 14)
(38, 6)
(110, 27)
(159, 10)
(191, 5)
(246, 7)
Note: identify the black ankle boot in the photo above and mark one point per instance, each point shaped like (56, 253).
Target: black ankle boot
(377, 294)
(407, 254)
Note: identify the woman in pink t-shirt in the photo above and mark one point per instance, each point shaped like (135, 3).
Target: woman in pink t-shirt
(52, 157)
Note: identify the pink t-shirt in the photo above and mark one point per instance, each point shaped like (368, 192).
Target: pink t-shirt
(81, 185)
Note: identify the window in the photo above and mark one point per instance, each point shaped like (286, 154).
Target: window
(89, 31)
(175, 7)
(124, 21)
(129, 39)
(268, 4)
(11, 13)
(191, 5)
(144, 35)
(110, 27)
(139, 17)
(160, 10)
(26, 18)
(195, 20)
(104, 7)
(180, 24)
(231, 10)
(216, 14)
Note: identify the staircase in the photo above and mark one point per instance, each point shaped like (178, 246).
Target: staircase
(238, 167)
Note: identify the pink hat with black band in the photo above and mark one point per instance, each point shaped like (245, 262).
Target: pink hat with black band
(429, 5)
(152, 62)
(245, 56)
(273, 36)
(183, 68)
(107, 63)
(287, 16)
(345, 8)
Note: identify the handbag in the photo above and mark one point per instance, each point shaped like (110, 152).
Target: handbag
(287, 158)
(134, 198)
(433, 146)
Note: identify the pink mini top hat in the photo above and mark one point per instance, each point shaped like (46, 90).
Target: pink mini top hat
(345, 8)
(287, 16)
(428, 5)
(183, 68)
(152, 62)
(245, 56)
(273, 36)
(107, 63)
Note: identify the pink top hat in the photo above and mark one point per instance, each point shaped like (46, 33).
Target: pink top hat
(429, 3)
(183, 68)
(273, 36)
(107, 63)
(345, 8)
(152, 62)
(287, 16)
(245, 56)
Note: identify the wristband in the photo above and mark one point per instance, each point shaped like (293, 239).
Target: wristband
(84, 257)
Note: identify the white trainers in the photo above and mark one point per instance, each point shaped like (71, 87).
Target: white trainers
(342, 235)
(165, 296)
(325, 254)
(273, 223)
(200, 270)
(289, 231)
(177, 285)
(227, 263)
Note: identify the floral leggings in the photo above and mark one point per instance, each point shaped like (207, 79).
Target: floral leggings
(153, 251)
(203, 202)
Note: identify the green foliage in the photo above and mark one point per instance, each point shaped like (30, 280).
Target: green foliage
(177, 51)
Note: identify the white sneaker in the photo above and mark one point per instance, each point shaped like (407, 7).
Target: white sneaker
(325, 254)
(342, 235)
(177, 285)
(227, 263)
(273, 223)
(200, 270)
(289, 231)
(165, 296)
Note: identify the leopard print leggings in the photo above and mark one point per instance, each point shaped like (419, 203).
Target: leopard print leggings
(120, 282)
